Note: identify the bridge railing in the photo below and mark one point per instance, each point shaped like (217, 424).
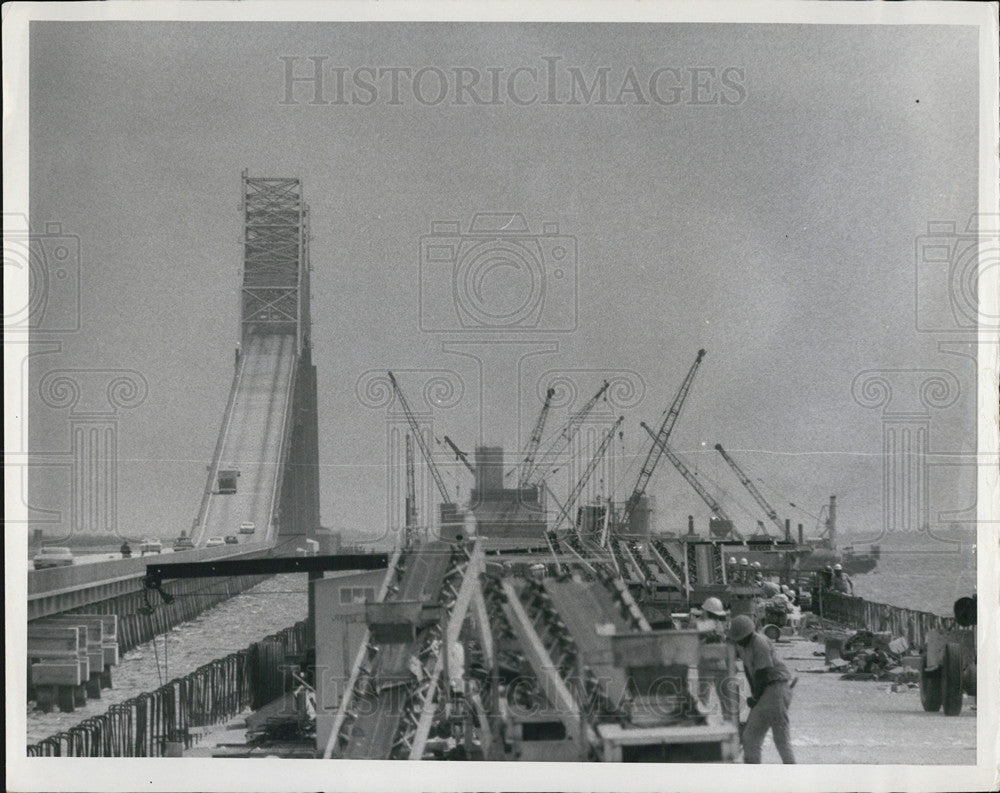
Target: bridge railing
(54, 579)
(856, 612)
(287, 428)
(213, 470)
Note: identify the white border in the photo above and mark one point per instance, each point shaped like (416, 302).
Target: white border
(26, 774)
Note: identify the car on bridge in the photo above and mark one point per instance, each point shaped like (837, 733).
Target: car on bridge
(183, 543)
(150, 546)
(214, 542)
(232, 539)
(53, 556)
(248, 527)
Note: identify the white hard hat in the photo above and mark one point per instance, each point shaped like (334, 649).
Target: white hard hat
(732, 560)
(714, 607)
(744, 561)
(757, 565)
(837, 567)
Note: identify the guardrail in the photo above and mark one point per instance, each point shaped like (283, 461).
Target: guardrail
(55, 579)
(855, 612)
(213, 468)
(287, 427)
(162, 722)
(60, 589)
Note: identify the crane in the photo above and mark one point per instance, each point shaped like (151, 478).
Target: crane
(751, 489)
(562, 442)
(587, 473)
(659, 443)
(424, 448)
(686, 472)
(460, 455)
(411, 493)
(528, 461)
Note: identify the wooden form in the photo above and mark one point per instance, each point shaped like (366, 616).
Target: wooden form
(70, 658)
(615, 738)
(102, 645)
(58, 666)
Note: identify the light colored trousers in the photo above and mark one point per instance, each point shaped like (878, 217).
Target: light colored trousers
(770, 713)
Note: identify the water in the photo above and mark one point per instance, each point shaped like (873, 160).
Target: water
(231, 626)
(921, 572)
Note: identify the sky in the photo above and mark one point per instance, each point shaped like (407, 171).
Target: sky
(777, 227)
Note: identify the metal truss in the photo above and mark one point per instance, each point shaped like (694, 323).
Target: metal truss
(457, 592)
(274, 255)
(419, 701)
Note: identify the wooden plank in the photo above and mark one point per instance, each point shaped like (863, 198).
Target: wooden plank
(102, 649)
(94, 625)
(60, 644)
(56, 673)
(53, 633)
(644, 736)
(48, 647)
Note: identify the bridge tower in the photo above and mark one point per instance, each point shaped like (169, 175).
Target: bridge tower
(274, 299)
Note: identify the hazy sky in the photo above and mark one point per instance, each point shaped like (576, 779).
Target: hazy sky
(778, 232)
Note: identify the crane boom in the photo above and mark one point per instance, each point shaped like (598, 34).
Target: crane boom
(587, 473)
(460, 455)
(565, 438)
(751, 489)
(424, 448)
(689, 475)
(528, 461)
(659, 443)
(411, 493)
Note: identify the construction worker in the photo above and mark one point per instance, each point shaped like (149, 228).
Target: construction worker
(770, 691)
(841, 582)
(744, 570)
(713, 671)
(710, 621)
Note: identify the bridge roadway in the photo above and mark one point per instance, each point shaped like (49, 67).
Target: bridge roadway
(253, 440)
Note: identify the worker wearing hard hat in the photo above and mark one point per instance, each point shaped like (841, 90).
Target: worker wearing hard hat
(710, 620)
(841, 583)
(713, 669)
(770, 691)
